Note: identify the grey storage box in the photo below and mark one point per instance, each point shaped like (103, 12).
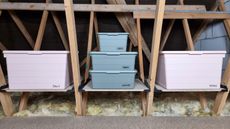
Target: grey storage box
(122, 61)
(113, 79)
(113, 41)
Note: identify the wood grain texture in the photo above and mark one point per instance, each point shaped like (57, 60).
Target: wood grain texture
(71, 26)
(155, 51)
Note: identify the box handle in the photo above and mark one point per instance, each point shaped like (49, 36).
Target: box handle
(125, 67)
(196, 53)
(34, 53)
(125, 85)
(113, 54)
(112, 34)
(114, 72)
(120, 48)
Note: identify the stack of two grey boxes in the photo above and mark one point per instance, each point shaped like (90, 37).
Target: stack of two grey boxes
(113, 67)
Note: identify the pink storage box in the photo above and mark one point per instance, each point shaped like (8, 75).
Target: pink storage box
(190, 69)
(38, 70)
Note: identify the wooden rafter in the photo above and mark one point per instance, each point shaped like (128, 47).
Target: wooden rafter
(60, 30)
(141, 64)
(70, 18)
(139, 41)
(187, 31)
(95, 8)
(167, 33)
(41, 30)
(22, 28)
(155, 51)
(184, 15)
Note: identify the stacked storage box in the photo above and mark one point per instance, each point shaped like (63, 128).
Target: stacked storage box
(113, 67)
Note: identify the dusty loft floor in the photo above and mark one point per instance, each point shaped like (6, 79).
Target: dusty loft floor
(124, 104)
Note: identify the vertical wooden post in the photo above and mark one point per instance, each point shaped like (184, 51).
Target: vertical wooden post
(140, 59)
(90, 39)
(5, 98)
(155, 51)
(71, 25)
(140, 54)
(92, 21)
(221, 97)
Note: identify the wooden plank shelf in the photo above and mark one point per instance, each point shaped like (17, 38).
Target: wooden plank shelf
(162, 89)
(41, 90)
(139, 87)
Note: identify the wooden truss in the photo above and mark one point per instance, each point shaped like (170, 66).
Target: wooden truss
(131, 24)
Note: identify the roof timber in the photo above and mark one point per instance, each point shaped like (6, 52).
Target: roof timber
(95, 8)
(184, 15)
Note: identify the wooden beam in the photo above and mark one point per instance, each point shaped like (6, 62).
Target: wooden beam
(90, 43)
(60, 30)
(70, 18)
(5, 98)
(2, 47)
(167, 33)
(84, 60)
(184, 15)
(141, 64)
(227, 21)
(96, 29)
(95, 8)
(41, 30)
(221, 97)
(187, 31)
(23, 101)
(7, 103)
(155, 51)
(22, 28)
(139, 41)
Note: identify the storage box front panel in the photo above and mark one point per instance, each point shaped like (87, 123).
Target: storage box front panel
(190, 71)
(113, 80)
(42, 71)
(113, 62)
(113, 42)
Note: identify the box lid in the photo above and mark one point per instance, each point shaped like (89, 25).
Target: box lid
(193, 52)
(35, 52)
(112, 33)
(113, 53)
(112, 72)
